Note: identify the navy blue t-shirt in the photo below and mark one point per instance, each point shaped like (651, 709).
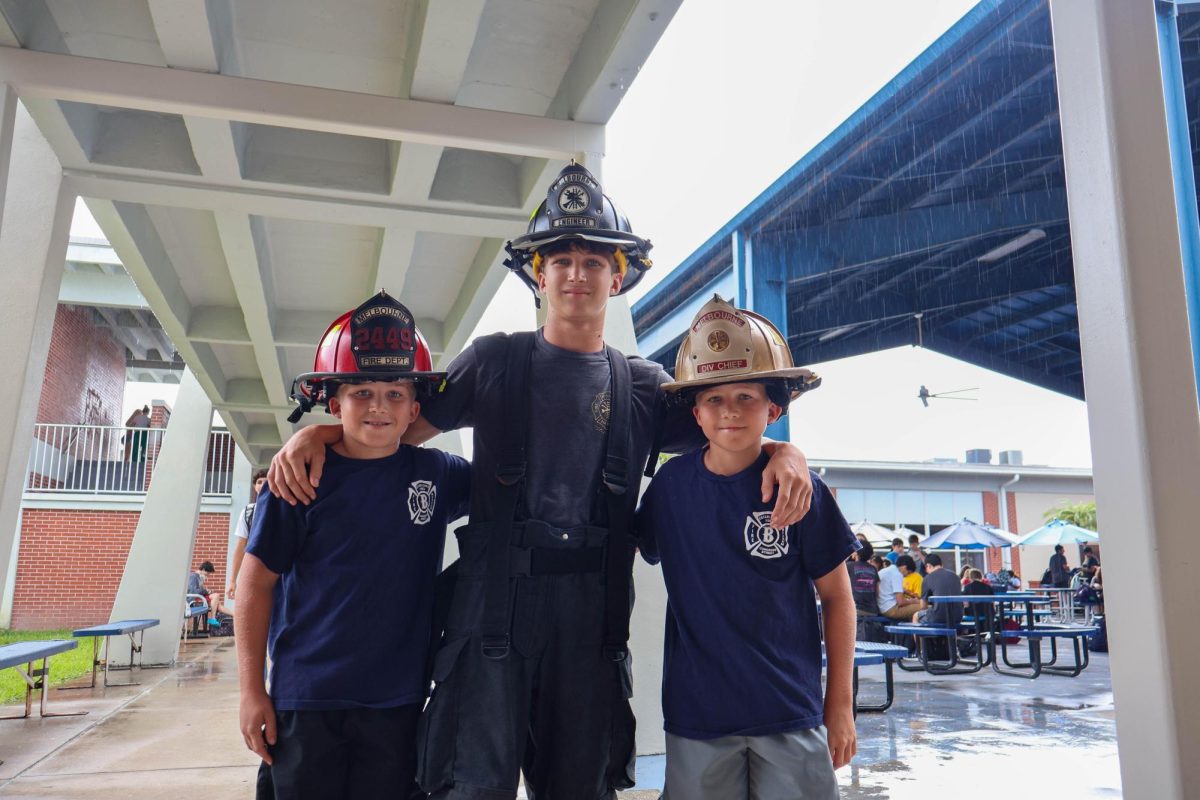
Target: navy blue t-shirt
(743, 650)
(354, 603)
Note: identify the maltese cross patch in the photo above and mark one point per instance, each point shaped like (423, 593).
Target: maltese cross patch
(763, 541)
(422, 497)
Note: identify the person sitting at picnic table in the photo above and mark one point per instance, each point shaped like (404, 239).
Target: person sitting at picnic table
(1097, 586)
(977, 586)
(939, 582)
(878, 562)
(912, 580)
(893, 602)
(1059, 570)
(864, 579)
(896, 551)
(195, 585)
(964, 575)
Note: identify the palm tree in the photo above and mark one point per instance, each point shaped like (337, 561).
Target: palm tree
(1081, 514)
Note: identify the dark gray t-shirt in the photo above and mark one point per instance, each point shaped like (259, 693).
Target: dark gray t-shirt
(568, 425)
(938, 583)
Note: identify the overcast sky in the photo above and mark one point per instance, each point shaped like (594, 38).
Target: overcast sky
(733, 95)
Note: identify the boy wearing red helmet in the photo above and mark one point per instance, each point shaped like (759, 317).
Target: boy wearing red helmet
(533, 674)
(346, 583)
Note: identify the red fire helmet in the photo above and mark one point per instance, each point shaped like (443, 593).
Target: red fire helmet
(378, 341)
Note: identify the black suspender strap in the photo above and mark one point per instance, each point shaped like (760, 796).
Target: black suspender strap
(510, 473)
(619, 554)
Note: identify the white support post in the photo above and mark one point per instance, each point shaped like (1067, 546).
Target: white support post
(1138, 376)
(8, 115)
(33, 246)
(155, 578)
(239, 497)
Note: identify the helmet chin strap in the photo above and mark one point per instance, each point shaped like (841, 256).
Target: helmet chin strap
(305, 406)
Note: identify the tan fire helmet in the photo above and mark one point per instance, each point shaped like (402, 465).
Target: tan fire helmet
(732, 345)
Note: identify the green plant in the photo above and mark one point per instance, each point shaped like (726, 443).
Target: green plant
(1081, 514)
(63, 667)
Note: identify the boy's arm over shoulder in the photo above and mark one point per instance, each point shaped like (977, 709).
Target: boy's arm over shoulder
(645, 529)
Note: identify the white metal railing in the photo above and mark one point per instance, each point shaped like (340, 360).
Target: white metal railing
(111, 459)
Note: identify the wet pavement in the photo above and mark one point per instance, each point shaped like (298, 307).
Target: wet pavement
(979, 736)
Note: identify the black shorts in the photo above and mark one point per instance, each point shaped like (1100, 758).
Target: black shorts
(347, 753)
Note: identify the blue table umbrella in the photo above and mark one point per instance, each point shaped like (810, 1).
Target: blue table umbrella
(968, 535)
(1059, 531)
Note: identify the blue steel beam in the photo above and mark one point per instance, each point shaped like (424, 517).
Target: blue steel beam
(1182, 168)
(888, 107)
(763, 271)
(919, 230)
(667, 329)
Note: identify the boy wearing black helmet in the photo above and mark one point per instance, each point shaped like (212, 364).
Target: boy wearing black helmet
(533, 674)
(742, 699)
(346, 583)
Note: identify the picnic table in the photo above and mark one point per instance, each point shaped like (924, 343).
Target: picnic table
(27, 653)
(128, 627)
(1031, 631)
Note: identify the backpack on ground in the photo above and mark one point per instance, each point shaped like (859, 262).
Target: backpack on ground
(1098, 641)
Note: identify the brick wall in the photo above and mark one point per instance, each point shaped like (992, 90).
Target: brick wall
(70, 564)
(85, 372)
(991, 515)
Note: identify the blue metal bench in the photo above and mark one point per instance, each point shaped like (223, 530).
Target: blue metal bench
(936, 667)
(1035, 666)
(128, 627)
(889, 653)
(18, 653)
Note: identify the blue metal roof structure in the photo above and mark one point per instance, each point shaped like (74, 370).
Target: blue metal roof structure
(936, 215)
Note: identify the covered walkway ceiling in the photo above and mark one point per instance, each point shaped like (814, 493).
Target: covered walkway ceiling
(935, 215)
(262, 167)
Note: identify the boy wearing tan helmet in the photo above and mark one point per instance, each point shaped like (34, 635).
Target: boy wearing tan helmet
(742, 699)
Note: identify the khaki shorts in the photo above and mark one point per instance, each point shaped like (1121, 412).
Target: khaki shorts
(780, 766)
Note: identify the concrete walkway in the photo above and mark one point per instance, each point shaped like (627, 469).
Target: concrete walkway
(175, 737)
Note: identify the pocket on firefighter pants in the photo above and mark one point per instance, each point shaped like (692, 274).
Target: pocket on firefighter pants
(622, 763)
(437, 731)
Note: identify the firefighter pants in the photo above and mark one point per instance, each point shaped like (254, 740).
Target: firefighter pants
(554, 707)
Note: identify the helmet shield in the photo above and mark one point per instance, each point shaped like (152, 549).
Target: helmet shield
(732, 345)
(577, 208)
(378, 341)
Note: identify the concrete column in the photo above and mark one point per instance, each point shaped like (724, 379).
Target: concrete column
(33, 246)
(239, 497)
(155, 577)
(8, 114)
(1138, 376)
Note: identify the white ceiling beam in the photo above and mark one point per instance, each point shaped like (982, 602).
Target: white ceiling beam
(132, 236)
(617, 44)
(219, 324)
(250, 283)
(165, 90)
(296, 203)
(447, 33)
(478, 289)
(85, 253)
(264, 435)
(99, 289)
(184, 34)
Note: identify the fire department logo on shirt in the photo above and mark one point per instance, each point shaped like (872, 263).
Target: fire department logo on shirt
(422, 497)
(763, 541)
